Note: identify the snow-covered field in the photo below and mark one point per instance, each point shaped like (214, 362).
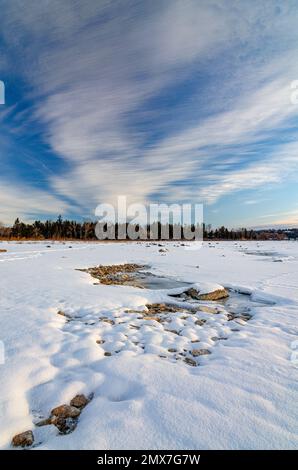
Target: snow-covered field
(242, 395)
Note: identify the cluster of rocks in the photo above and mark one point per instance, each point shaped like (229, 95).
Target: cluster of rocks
(131, 274)
(185, 355)
(156, 308)
(115, 274)
(64, 417)
(159, 311)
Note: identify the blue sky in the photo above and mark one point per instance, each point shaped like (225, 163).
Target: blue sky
(163, 101)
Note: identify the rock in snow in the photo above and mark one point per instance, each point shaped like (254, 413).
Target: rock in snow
(65, 417)
(24, 439)
(215, 295)
(65, 411)
(79, 401)
(206, 292)
(200, 352)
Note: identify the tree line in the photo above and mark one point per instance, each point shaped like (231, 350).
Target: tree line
(61, 229)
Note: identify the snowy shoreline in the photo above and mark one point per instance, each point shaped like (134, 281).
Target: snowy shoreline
(241, 396)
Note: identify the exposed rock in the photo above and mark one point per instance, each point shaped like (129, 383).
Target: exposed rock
(215, 295)
(24, 439)
(64, 425)
(172, 331)
(3, 251)
(231, 316)
(63, 314)
(162, 308)
(100, 341)
(65, 417)
(107, 354)
(65, 411)
(135, 327)
(242, 316)
(117, 274)
(172, 350)
(190, 361)
(108, 320)
(200, 322)
(79, 401)
(194, 294)
(44, 422)
(199, 352)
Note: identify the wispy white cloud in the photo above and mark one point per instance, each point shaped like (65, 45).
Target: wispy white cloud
(282, 164)
(180, 157)
(22, 200)
(94, 66)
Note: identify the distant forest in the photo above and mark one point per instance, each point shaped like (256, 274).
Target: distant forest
(72, 230)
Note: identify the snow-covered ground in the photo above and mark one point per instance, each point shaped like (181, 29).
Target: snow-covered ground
(241, 396)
